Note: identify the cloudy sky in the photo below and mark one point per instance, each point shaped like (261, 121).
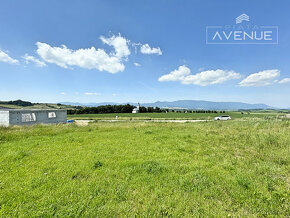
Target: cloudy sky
(130, 51)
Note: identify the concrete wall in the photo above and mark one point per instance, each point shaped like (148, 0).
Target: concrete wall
(14, 117)
(4, 118)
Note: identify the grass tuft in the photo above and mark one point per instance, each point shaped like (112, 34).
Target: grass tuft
(97, 165)
(152, 167)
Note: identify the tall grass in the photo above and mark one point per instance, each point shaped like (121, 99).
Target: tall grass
(146, 169)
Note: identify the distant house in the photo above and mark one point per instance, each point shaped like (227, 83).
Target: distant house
(31, 116)
(136, 110)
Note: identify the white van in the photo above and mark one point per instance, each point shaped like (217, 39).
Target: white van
(223, 117)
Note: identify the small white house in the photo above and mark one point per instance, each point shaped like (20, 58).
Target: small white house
(136, 110)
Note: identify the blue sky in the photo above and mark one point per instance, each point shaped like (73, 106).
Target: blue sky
(87, 51)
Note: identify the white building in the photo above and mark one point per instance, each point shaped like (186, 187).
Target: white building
(136, 110)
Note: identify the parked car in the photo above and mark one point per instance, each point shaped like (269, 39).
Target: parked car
(223, 117)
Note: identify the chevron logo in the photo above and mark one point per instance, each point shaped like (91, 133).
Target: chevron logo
(241, 18)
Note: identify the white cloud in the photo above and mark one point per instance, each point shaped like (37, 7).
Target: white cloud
(211, 77)
(4, 57)
(29, 59)
(62, 93)
(119, 43)
(88, 58)
(204, 78)
(92, 93)
(115, 94)
(176, 75)
(146, 49)
(262, 78)
(137, 64)
(285, 80)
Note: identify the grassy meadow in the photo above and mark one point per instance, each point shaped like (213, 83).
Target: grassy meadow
(174, 115)
(232, 168)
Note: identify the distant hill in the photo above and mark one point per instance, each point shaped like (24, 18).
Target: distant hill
(207, 105)
(18, 104)
(180, 104)
(186, 104)
(90, 104)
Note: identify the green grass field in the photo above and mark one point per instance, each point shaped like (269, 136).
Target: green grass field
(174, 115)
(232, 168)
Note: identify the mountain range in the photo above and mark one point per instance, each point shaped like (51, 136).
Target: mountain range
(185, 104)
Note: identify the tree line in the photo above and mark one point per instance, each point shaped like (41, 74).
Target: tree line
(127, 108)
(18, 103)
(104, 109)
